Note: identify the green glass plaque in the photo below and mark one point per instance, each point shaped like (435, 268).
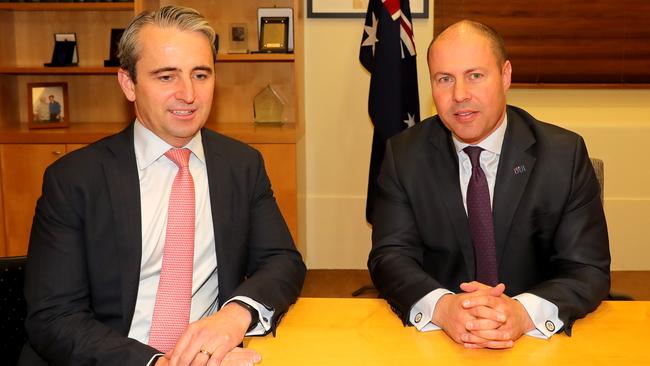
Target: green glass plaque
(268, 107)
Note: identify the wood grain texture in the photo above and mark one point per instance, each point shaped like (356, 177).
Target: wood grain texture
(280, 162)
(85, 133)
(22, 168)
(34, 34)
(564, 41)
(324, 332)
(238, 84)
(341, 283)
(92, 98)
(87, 6)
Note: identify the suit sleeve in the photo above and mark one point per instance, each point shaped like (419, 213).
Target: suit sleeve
(581, 259)
(275, 270)
(61, 325)
(395, 261)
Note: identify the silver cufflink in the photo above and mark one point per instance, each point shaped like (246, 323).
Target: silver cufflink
(550, 326)
(418, 317)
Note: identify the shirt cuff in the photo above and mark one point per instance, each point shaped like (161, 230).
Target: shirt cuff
(422, 312)
(265, 315)
(543, 313)
(154, 358)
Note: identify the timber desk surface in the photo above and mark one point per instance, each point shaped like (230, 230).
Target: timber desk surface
(319, 331)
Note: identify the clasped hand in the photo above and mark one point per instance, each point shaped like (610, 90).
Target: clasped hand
(213, 341)
(482, 316)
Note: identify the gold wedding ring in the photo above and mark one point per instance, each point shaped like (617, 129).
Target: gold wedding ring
(207, 353)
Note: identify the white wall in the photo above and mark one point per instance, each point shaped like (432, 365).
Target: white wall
(338, 135)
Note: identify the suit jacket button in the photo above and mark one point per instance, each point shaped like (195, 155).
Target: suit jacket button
(418, 317)
(550, 326)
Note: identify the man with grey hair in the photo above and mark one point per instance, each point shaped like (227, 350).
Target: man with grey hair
(162, 244)
(489, 223)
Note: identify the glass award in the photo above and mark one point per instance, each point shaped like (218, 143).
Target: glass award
(268, 107)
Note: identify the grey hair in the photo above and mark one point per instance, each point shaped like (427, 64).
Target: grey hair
(182, 18)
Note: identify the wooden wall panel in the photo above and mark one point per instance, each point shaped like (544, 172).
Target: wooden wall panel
(564, 41)
(280, 163)
(22, 168)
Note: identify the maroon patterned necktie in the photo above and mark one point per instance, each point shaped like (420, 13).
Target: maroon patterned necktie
(479, 213)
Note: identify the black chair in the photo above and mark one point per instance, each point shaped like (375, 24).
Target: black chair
(599, 169)
(12, 309)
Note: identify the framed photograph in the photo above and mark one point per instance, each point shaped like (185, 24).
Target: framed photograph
(238, 38)
(356, 8)
(48, 105)
(279, 13)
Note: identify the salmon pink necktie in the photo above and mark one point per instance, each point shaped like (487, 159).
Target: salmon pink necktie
(171, 314)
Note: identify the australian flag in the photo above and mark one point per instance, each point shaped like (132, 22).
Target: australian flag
(388, 53)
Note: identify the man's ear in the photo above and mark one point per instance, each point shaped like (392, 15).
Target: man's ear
(127, 85)
(506, 74)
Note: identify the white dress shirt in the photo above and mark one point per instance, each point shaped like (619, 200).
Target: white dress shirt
(156, 173)
(541, 311)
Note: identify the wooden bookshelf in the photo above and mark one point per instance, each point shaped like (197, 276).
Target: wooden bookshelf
(98, 108)
(52, 6)
(68, 70)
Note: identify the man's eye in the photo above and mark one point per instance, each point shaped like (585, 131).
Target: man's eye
(475, 76)
(201, 76)
(444, 79)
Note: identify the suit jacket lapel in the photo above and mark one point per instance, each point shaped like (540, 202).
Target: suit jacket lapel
(445, 166)
(220, 188)
(516, 164)
(124, 190)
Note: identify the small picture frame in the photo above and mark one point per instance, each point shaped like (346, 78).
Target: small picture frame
(65, 50)
(274, 34)
(68, 37)
(238, 38)
(116, 35)
(48, 105)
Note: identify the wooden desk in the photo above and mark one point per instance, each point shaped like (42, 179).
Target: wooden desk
(366, 332)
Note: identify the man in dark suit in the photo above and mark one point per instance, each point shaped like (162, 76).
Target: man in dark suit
(489, 223)
(106, 222)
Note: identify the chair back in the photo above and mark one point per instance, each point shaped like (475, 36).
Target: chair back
(12, 309)
(599, 169)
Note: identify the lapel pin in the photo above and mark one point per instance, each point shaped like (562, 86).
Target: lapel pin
(519, 169)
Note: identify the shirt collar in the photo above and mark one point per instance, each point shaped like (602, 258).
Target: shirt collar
(149, 147)
(492, 143)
